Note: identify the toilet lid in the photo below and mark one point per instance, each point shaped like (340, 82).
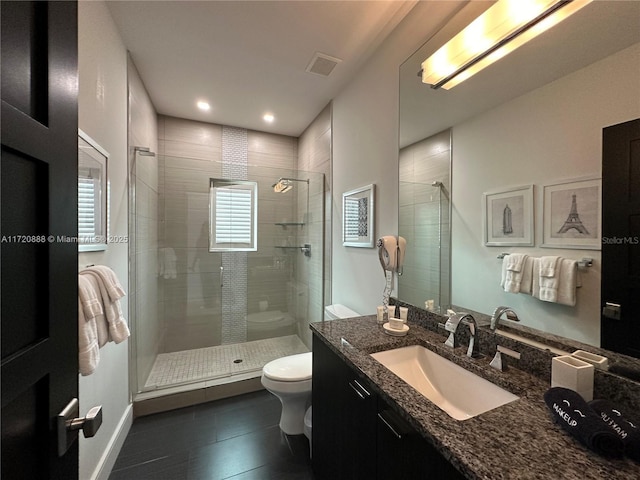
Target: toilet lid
(292, 368)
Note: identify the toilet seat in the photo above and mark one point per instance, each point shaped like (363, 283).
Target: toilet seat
(293, 368)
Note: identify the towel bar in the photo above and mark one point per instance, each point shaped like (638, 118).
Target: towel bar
(584, 263)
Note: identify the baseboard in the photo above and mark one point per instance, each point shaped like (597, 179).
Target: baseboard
(108, 459)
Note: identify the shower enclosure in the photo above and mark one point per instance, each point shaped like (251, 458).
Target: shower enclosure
(226, 268)
(425, 220)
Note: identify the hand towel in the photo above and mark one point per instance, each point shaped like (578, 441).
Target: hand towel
(549, 274)
(574, 415)
(628, 432)
(167, 261)
(110, 280)
(118, 329)
(88, 349)
(526, 282)
(91, 298)
(513, 266)
(568, 281)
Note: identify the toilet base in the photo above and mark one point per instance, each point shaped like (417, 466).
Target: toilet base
(292, 416)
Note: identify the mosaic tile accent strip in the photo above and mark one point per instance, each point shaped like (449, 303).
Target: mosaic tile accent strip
(234, 297)
(235, 154)
(179, 368)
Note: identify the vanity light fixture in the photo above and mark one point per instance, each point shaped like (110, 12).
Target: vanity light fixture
(268, 117)
(501, 29)
(204, 106)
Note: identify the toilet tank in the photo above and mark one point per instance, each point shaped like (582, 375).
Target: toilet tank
(335, 311)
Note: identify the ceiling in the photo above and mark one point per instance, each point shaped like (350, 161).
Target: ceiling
(249, 58)
(596, 31)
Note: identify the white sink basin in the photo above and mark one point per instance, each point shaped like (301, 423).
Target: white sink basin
(455, 390)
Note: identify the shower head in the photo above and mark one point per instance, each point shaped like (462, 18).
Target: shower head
(437, 184)
(144, 151)
(283, 185)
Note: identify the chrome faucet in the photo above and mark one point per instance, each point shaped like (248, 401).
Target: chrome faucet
(451, 326)
(497, 314)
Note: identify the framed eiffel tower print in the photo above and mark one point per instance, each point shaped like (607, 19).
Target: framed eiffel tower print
(572, 214)
(508, 216)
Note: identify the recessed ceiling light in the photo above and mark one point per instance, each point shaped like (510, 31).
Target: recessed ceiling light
(204, 106)
(268, 117)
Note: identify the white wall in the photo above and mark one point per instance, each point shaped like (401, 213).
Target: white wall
(365, 150)
(550, 134)
(102, 109)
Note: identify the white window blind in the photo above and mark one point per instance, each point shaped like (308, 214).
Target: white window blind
(233, 212)
(86, 207)
(233, 216)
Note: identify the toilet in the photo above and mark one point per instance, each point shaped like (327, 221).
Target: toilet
(289, 379)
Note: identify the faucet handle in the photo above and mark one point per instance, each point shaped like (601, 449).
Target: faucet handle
(497, 359)
(451, 340)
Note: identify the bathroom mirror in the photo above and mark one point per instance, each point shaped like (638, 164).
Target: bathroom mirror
(598, 32)
(93, 201)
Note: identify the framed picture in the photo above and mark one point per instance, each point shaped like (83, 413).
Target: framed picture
(508, 217)
(572, 213)
(357, 217)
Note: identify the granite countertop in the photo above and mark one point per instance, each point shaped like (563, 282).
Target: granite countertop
(515, 441)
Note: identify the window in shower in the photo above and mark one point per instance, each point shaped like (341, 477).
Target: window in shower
(233, 213)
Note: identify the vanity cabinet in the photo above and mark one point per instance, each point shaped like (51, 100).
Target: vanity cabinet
(356, 435)
(344, 409)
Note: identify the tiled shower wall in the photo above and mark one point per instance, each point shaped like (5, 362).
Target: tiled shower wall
(424, 220)
(191, 298)
(314, 155)
(143, 227)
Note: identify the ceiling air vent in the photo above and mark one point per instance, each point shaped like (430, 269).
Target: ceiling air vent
(322, 64)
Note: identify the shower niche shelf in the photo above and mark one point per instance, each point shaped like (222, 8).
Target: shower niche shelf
(290, 224)
(306, 248)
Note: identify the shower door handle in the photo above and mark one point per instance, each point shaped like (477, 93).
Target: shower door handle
(221, 276)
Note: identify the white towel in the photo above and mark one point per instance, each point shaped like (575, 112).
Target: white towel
(549, 278)
(110, 280)
(568, 281)
(118, 329)
(167, 263)
(88, 349)
(91, 283)
(513, 267)
(526, 283)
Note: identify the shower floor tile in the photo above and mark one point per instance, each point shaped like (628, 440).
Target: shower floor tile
(177, 368)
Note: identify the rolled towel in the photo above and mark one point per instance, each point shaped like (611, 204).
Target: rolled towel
(574, 415)
(629, 433)
(628, 372)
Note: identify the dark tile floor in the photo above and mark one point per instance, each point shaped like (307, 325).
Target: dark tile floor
(236, 438)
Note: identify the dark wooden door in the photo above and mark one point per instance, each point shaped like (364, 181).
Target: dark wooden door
(39, 206)
(620, 289)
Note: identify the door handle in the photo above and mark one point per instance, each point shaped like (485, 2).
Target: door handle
(221, 276)
(69, 423)
(612, 311)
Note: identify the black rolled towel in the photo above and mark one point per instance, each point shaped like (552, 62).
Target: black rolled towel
(574, 415)
(629, 432)
(627, 372)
